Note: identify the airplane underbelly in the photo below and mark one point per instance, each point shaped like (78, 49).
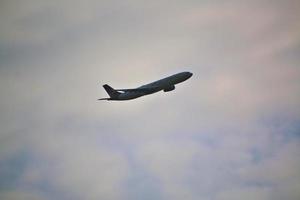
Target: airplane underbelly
(130, 95)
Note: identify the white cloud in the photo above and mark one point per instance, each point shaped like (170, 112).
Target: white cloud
(168, 161)
(76, 166)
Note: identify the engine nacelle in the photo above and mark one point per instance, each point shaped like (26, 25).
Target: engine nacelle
(169, 88)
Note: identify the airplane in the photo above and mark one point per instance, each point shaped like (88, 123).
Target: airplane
(165, 84)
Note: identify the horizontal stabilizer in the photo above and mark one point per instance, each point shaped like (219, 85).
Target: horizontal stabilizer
(104, 99)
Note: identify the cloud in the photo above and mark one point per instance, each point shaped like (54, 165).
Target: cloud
(246, 193)
(279, 170)
(230, 131)
(20, 194)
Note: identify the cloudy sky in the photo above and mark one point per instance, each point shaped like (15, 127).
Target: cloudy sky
(230, 132)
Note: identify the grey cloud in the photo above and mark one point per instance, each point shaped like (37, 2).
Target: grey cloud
(22, 194)
(247, 193)
(213, 138)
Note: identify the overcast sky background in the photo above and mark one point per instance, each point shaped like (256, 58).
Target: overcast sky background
(230, 132)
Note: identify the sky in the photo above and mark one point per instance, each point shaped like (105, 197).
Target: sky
(230, 132)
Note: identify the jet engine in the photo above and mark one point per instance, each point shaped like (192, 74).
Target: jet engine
(172, 87)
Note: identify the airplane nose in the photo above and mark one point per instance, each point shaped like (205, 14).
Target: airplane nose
(186, 75)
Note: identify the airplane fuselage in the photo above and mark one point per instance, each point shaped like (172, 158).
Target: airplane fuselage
(166, 84)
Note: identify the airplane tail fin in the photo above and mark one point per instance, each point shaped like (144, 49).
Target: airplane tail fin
(111, 91)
